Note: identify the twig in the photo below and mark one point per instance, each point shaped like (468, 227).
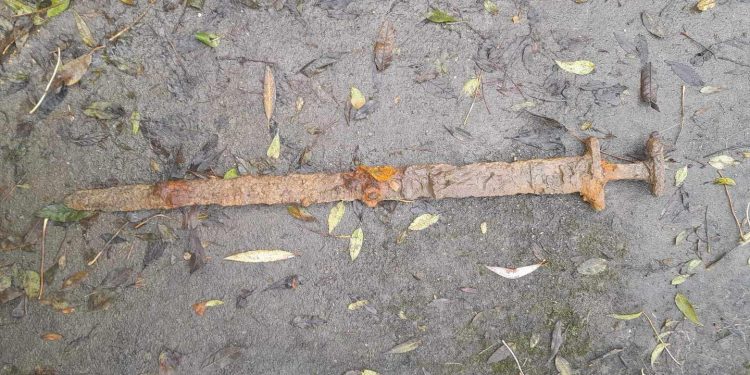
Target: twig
(466, 119)
(682, 114)
(660, 339)
(731, 207)
(41, 263)
(705, 226)
(46, 90)
(123, 31)
(514, 357)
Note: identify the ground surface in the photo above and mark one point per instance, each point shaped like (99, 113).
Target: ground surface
(186, 92)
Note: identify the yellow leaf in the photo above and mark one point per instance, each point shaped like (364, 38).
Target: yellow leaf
(491, 7)
(471, 87)
(626, 316)
(686, 308)
(424, 221)
(656, 353)
(356, 305)
(357, 98)
(300, 213)
(724, 181)
(74, 279)
(260, 256)
(269, 93)
(405, 347)
(369, 372)
(355, 243)
(483, 227)
(679, 279)
(680, 176)
(722, 161)
(214, 302)
(135, 122)
(704, 5)
(274, 149)
(580, 67)
(335, 216)
(200, 307)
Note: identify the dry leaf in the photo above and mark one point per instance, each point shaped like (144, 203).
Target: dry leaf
(383, 50)
(200, 307)
(680, 238)
(483, 227)
(274, 149)
(501, 354)
(84, 31)
(686, 308)
(335, 216)
(424, 221)
(648, 86)
(653, 25)
(405, 347)
(357, 98)
(626, 316)
(686, 73)
(300, 213)
(356, 305)
(73, 71)
(380, 173)
(491, 7)
(592, 266)
(51, 336)
(269, 93)
(563, 366)
(711, 89)
(580, 67)
(722, 161)
(471, 87)
(680, 175)
(704, 5)
(74, 279)
(261, 256)
(656, 353)
(514, 273)
(355, 243)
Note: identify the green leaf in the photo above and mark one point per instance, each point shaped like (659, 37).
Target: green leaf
(19, 7)
(440, 16)
(135, 122)
(57, 7)
(656, 353)
(563, 366)
(680, 238)
(355, 243)
(424, 221)
(84, 31)
(580, 67)
(30, 282)
(679, 279)
(209, 39)
(274, 149)
(357, 98)
(405, 347)
(626, 316)
(356, 305)
(335, 216)
(62, 214)
(491, 7)
(727, 181)
(692, 264)
(197, 4)
(231, 173)
(680, 175)
(686, 308)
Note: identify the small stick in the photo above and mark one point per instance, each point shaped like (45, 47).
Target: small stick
(46, 90)
(41, 263)
(660, 340)
(682, 113)
(123, 31)
(514, 357)
(731, 207)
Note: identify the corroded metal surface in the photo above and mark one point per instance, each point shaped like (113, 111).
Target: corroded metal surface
(586, 175)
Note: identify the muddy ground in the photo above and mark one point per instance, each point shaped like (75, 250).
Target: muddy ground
(186, 92)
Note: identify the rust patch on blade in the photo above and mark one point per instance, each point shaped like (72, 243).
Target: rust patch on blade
(174, 193)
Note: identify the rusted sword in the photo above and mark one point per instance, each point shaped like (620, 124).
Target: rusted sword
(586, 174)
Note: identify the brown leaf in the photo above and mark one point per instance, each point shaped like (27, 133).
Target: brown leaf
(74, 279)
(51, 336)
(383, 50)
(269, 93)
(300, 213)
(73, 71)
(648, 86)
